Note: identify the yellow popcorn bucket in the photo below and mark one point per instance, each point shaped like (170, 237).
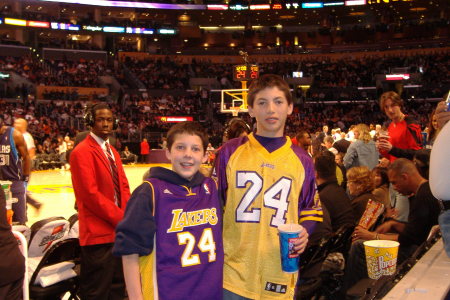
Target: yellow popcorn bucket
(381, 257)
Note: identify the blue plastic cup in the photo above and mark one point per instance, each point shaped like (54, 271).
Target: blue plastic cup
(288, 235)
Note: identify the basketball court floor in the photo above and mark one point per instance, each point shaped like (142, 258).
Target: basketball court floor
(53, 188)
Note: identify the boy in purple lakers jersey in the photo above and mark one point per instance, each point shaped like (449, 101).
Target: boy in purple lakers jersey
(170, 239)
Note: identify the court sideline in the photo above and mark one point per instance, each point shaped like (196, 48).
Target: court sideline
(53, 188)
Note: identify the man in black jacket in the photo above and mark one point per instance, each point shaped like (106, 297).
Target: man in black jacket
(331, 195)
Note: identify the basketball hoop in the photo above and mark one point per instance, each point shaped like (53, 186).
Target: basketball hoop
(235, 111)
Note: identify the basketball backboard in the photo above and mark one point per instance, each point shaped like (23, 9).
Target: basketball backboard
(234, 101)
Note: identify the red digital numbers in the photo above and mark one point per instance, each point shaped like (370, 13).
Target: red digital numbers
(244, 72)
(240, 74)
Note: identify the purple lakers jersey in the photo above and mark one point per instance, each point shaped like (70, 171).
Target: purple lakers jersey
(180, 223)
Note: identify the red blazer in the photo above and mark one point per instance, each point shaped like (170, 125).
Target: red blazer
(94, 192)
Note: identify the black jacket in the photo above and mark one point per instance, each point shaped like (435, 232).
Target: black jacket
(334, 198)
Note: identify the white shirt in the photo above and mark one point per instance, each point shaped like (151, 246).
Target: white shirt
(440, 165)
(29, 141)
(102, 144)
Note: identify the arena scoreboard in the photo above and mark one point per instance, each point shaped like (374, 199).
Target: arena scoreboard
(245, 72)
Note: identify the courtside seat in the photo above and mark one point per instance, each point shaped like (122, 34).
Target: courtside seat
(44, 234)
(55, 275)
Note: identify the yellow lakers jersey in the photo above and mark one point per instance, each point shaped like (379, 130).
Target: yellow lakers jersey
(261, 191)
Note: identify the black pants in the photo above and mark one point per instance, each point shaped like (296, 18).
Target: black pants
(12, 291)
(101, 274)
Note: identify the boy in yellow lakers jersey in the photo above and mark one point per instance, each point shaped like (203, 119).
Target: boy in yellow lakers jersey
(264, 181)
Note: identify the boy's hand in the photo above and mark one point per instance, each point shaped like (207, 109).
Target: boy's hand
(301, 242)
(442, 115)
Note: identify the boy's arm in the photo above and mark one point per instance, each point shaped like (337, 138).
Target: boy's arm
(132, 276)
(310, 209)
(219, 175)
(135, 233)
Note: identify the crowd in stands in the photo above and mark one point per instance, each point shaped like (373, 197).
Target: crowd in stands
(337, 79)
(159, 74)
(48, 121)
(74, 73)
(61, 95)
(347, 74)
(333, 79)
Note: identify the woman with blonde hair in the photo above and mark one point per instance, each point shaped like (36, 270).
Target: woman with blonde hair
(363, 151)
(360, 184)
(432, 130)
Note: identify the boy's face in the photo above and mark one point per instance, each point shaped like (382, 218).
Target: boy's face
(270, 109)
(392, 110)
(186, 155)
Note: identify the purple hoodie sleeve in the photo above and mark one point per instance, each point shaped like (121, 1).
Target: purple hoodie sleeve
(310, 209)
(220, 165)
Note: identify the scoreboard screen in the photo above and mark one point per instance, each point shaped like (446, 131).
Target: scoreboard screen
(245, 72)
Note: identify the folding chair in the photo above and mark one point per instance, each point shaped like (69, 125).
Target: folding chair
(59, 277)
(23, 246)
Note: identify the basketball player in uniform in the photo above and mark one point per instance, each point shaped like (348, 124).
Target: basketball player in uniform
(22, 126)
(176, 216)
(15, 164)
(101, 193)
(265, 181)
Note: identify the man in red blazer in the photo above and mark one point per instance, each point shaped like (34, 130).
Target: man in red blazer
(101, 192)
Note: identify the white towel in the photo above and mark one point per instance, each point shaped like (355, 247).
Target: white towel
(55, 273)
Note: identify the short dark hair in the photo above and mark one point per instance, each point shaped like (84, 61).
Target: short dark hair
(235, 127)
(301, 133)
(265, 81)
(325, 165)
(189, 127)
(402, 165)
(99, 106)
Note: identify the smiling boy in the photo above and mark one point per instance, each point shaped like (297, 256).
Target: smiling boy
(176, 216)
(264, 181)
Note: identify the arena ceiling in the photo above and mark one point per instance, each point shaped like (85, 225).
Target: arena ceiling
(387, 11)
